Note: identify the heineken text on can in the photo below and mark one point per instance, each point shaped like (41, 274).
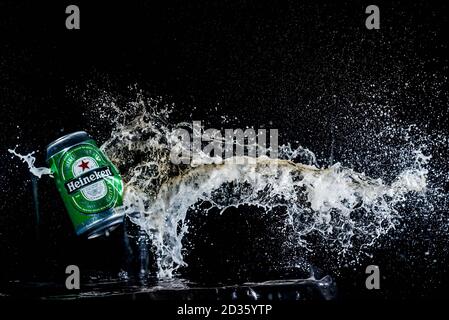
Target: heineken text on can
(90, 185)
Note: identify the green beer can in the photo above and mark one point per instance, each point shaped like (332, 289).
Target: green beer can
(90, 185)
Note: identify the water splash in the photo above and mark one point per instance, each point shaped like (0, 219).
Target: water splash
(338, 203)
(347, 209)
(29, 159)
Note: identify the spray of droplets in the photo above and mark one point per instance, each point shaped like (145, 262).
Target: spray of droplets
(29, 159)
(348, 210)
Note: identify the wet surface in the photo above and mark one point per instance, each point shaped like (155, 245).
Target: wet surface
(176, 289)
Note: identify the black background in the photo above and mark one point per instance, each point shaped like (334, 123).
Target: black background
(280, 64)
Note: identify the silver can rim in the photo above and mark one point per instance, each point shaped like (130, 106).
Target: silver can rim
(52, 147)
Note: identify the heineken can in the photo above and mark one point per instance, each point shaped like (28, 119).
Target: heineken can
(89, 184)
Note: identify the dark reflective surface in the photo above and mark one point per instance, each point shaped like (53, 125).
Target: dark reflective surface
(177, 289)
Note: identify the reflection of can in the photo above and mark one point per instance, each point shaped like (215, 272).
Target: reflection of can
(90, 185)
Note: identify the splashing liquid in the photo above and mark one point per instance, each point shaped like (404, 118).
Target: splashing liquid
(29, 159)
(347, 209)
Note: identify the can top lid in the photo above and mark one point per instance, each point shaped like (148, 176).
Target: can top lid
(66, 141)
